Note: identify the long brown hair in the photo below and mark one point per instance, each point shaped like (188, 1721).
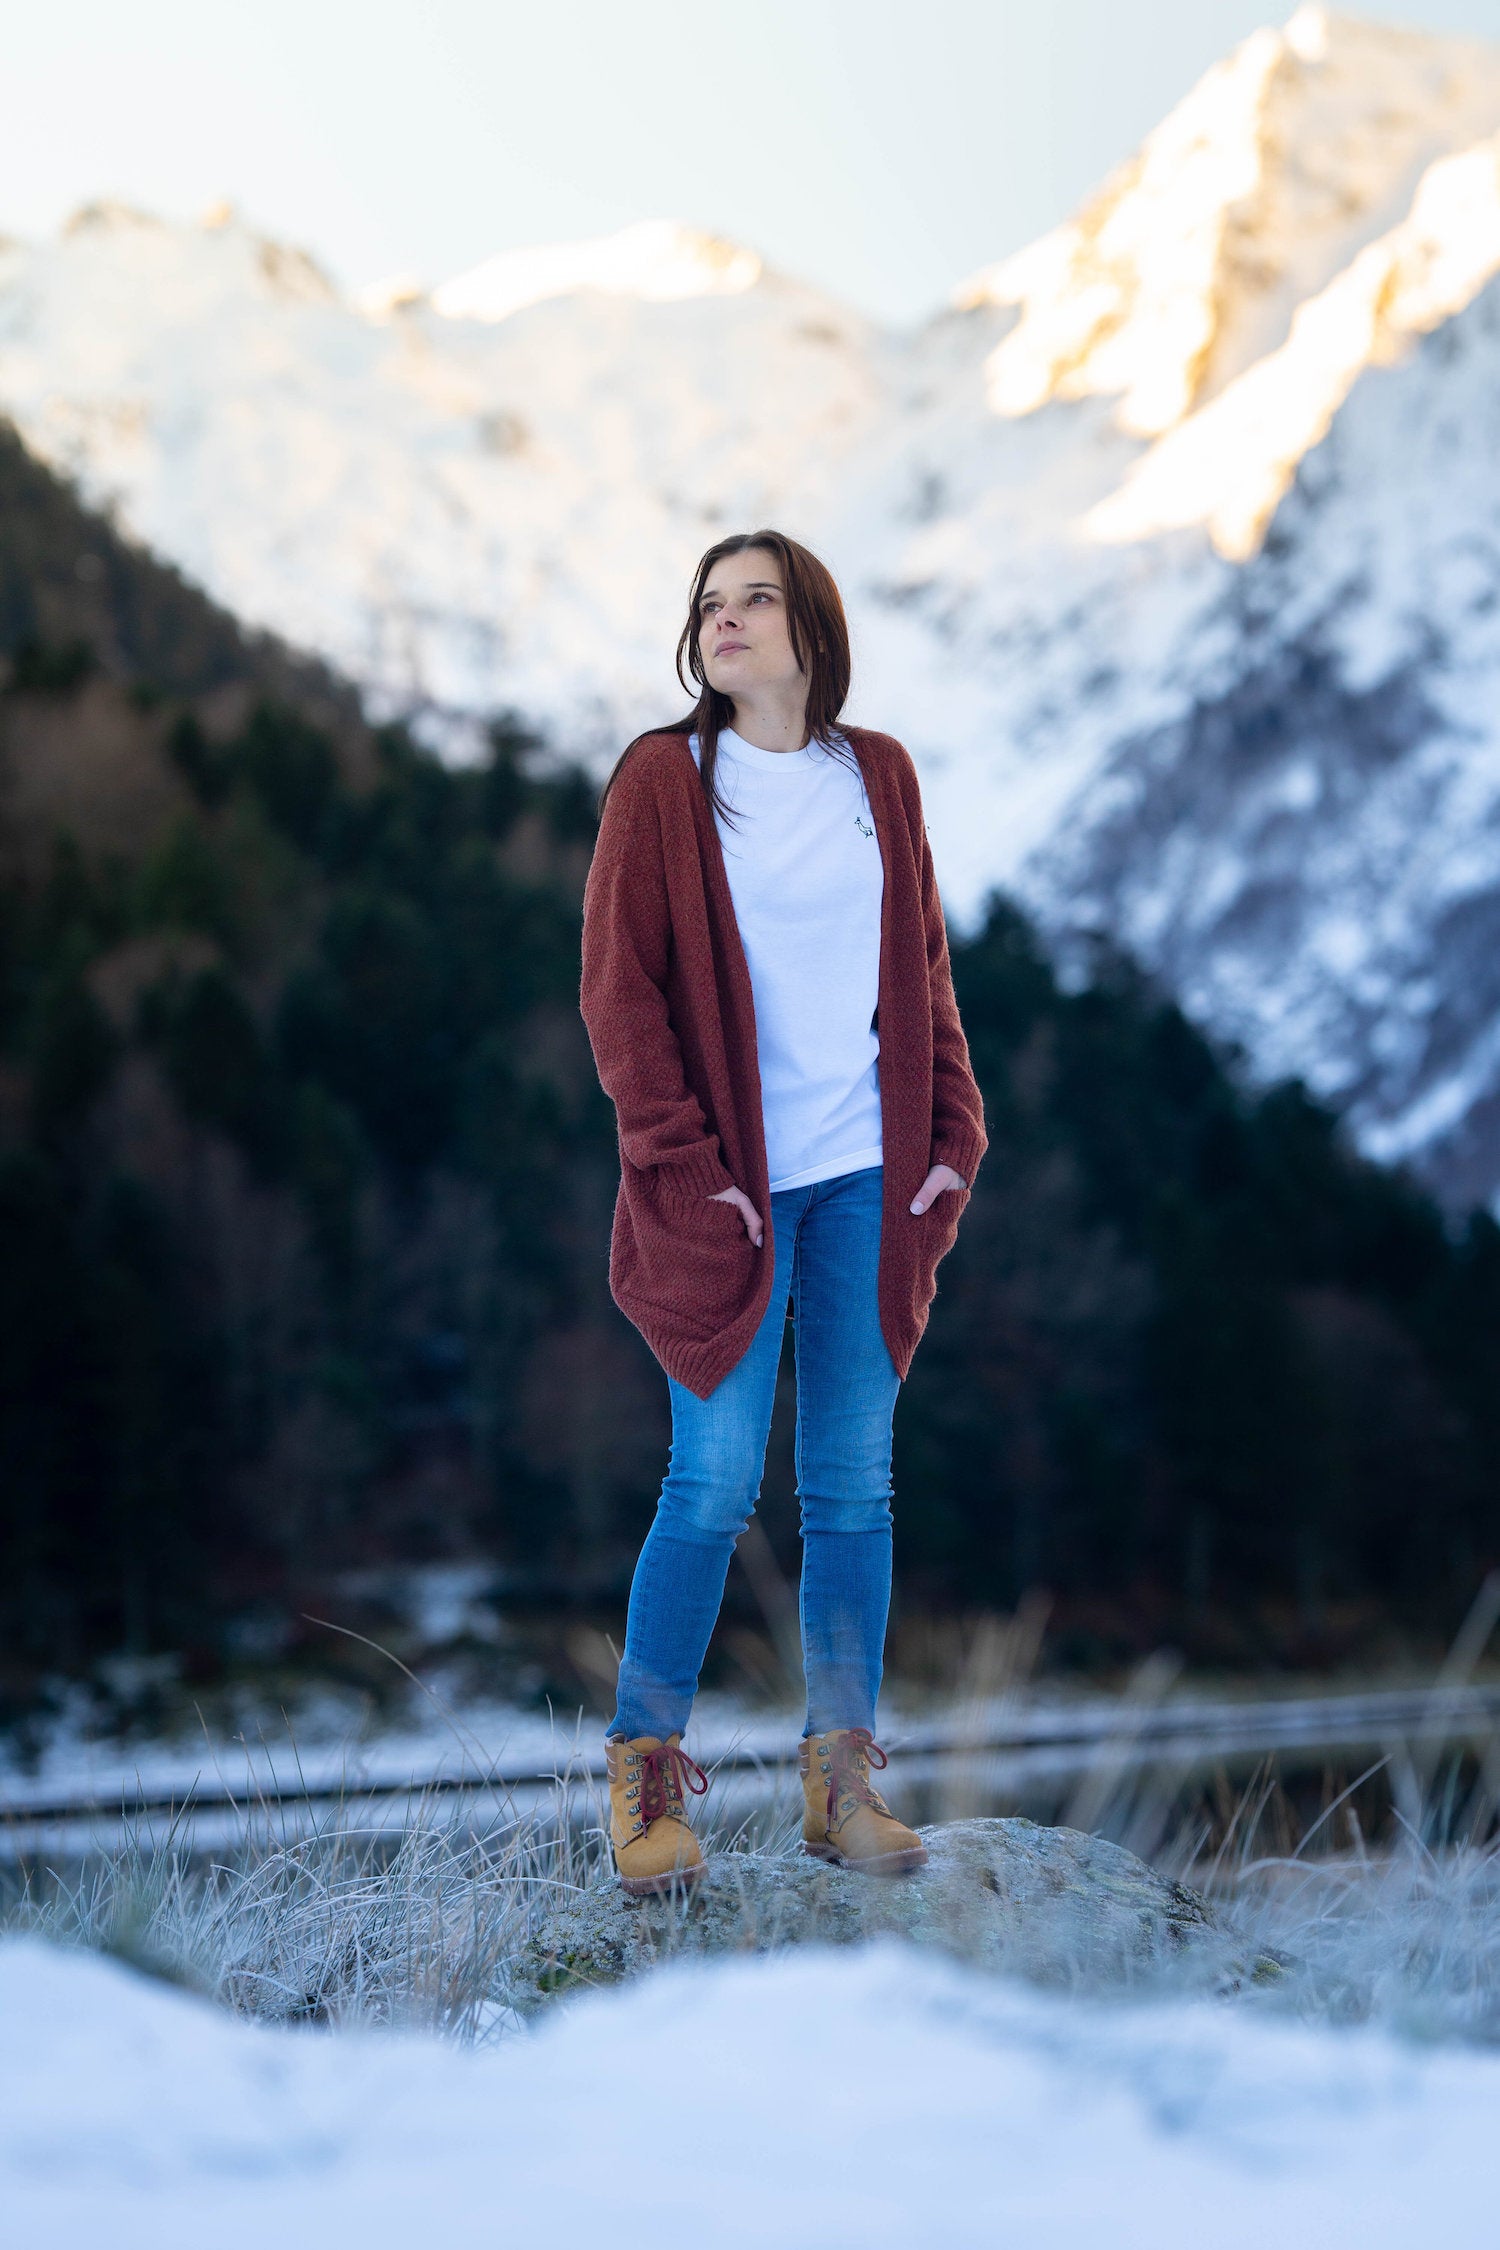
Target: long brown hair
(817, 629)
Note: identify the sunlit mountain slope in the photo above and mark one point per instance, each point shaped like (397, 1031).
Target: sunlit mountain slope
(491, 502)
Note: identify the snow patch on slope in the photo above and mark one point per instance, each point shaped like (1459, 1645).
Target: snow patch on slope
(657, 261)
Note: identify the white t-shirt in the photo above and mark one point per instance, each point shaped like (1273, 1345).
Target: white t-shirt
(806, 878)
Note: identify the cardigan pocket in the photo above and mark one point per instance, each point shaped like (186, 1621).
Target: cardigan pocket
(707, 1207)
(939, 1223)
(688, 1256)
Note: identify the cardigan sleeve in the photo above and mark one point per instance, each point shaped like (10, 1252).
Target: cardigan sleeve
(958, 1135)
(626, 947)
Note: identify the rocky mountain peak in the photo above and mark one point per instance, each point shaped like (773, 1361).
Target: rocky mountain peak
(1265, 182)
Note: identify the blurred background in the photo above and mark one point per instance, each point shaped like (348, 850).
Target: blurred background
(370, 381)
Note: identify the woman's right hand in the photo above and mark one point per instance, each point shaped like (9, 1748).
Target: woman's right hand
(746, 1210)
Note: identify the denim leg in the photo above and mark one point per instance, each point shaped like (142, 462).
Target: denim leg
(847, 1387)
(712, 1484)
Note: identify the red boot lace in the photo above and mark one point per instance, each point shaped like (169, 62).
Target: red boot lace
(851, 1754)
(665, 1772)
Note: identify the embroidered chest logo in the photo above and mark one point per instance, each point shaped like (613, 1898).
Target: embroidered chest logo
(859, 824)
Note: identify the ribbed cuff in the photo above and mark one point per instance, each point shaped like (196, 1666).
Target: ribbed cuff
(962, 1152)
(698, 1174)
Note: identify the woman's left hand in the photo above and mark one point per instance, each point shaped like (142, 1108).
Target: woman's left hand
(940, 1177)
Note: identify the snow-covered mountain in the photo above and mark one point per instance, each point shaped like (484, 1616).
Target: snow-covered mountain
(492, 495)
(1172, 547)
(1190, 575)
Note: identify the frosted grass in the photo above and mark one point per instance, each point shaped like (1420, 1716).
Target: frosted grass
(347, 1926)
(1406, 1936)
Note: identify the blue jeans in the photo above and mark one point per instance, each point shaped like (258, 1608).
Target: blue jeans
(827, 1240)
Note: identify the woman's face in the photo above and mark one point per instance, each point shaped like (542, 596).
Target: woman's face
(742, 625)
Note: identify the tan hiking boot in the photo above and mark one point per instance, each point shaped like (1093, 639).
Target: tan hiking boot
(845, 1820)
(655, 1849)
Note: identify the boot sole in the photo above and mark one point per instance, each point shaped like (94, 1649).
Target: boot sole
(884, 1863)
(658, 1886)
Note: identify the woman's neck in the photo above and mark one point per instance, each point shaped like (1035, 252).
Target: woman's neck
(772, 722)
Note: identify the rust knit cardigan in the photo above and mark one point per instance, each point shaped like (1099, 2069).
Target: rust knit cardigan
(667, 1000)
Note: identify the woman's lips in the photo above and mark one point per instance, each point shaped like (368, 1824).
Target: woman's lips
(727, 648)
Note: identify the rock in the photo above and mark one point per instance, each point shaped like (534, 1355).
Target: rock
(1047, 1904)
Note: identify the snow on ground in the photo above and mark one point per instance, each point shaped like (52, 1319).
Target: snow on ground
(324, 1746)
(876, 2096)
(321, 1748)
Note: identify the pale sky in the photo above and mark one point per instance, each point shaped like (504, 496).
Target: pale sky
(882, 149)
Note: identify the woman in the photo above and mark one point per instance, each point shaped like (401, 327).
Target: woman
(767, 992)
